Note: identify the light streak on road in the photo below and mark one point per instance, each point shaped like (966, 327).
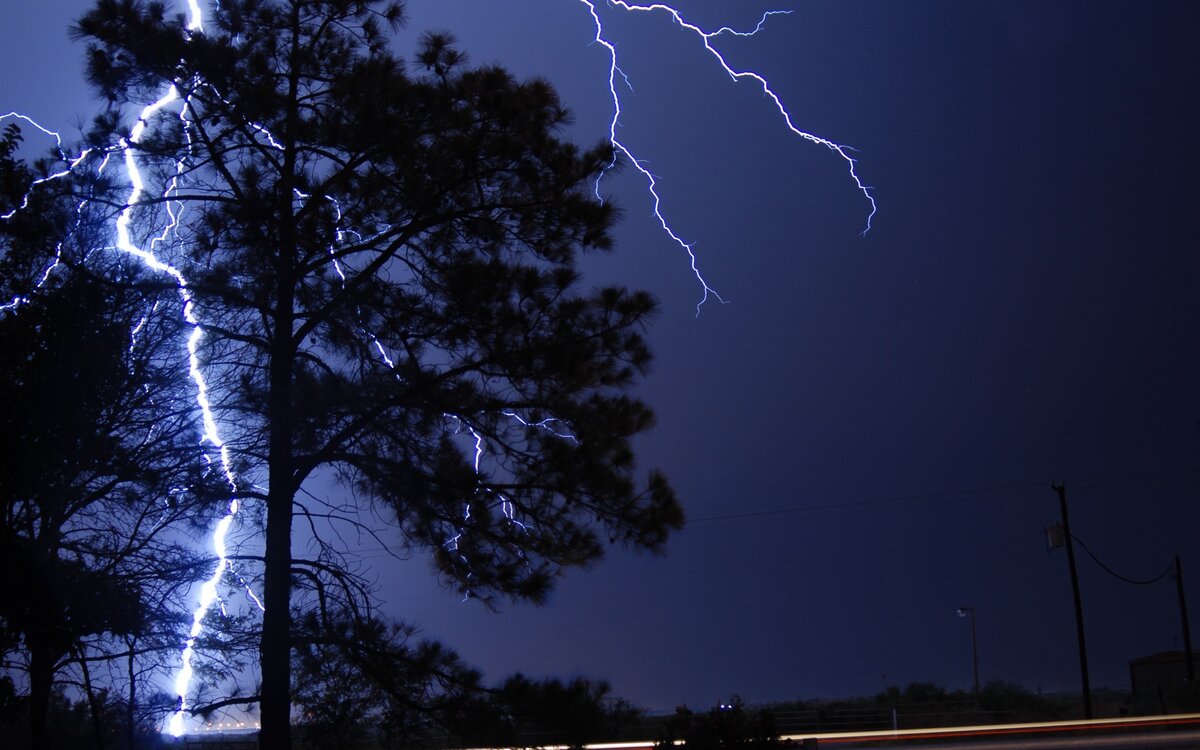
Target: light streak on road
(1143, 732)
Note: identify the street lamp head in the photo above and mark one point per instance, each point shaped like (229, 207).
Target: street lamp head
(964, 611)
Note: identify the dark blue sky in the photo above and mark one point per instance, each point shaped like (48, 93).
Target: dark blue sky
(865, 436)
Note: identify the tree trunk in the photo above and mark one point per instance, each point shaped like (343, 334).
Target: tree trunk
(41, 673)
(275, 649)
(130, 736)
(93, 703)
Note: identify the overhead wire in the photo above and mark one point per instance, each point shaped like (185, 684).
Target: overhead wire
(993, 492)
(1115, 574)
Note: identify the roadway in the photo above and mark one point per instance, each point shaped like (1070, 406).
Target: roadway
(1178, 732)
(1142, 740)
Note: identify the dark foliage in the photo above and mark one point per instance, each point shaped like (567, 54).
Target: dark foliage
(574, 713)
(98, 453)
(922, 704)
(356, 679)
(74, 726)
(363, 681)
(727, 726)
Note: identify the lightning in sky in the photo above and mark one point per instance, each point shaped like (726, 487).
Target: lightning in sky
(706, 38)
(211, 435)
(208, 595)
(170, 102)
(127, 149)
(71, 165)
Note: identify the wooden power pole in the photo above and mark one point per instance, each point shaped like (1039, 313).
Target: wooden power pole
(1061, 489)
(1187, 631)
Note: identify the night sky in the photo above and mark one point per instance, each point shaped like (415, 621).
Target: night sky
(864, 438)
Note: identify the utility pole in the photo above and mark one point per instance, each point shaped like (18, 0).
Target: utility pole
(965, 611)
(1187, 631)
(1061, 489)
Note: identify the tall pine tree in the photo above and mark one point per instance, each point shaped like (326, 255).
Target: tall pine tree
(385, 264)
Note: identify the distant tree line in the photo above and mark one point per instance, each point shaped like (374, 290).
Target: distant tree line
(726, 726)
(923, 704)
(915, 706)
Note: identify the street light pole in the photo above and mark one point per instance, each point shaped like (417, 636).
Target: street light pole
(965, 611)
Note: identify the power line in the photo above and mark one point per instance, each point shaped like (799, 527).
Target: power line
(1115, 574)
(993, 492)
(883, 503)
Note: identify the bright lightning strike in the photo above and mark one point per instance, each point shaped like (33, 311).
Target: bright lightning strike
(706, 38)
(72, 164)
(556, 427)
(211, 434)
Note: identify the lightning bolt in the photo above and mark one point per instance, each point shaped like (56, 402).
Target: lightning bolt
(211, 432)
(127, 148)
(72, 164)
(706, 38)
(170, 101)
(461, 424)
